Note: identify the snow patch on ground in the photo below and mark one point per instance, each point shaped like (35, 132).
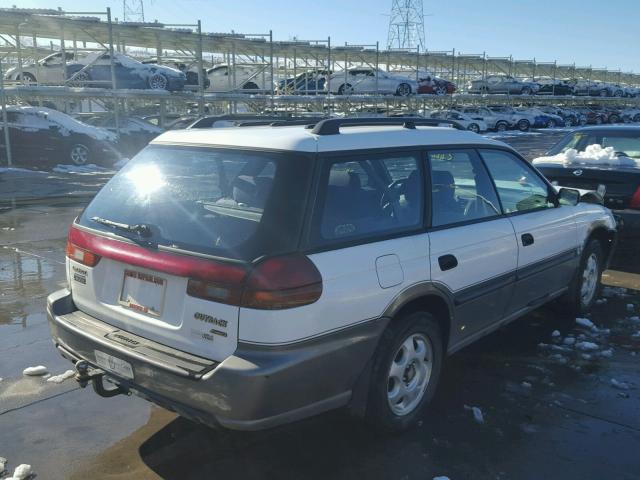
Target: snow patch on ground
(477, 413)
(593, 154)
(440, 478)
(35, 371)
(620, 385)
(18, 170)
(21, 472)
(89, 168)
(587, 346)
(62, 377)
(555, 333)
(586, 323)
(3, 463)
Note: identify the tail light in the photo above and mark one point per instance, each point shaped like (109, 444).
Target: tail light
(282, 282)
(80, 255)
(635, 200)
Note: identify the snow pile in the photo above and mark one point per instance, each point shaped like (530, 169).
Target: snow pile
(593, 154)
(477, 413)
(586, 323)
(35, 371)
(62, 377)
(620, 385)
(441, 478)
(3, 463)
(22, 472)
(587, 346)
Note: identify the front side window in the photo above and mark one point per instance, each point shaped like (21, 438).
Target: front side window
(461, 190)
(367, 196)
(519, 187)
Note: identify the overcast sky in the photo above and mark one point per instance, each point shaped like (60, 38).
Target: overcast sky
(587, 32)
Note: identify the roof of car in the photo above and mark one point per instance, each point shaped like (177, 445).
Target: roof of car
(609, 128)
(301, 139)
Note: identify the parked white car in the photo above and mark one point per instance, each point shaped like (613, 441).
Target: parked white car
(494, 120)
(225, 78)
(370, 80)
(523, 121)
(48, 70)
(231, 289)
(475, 125)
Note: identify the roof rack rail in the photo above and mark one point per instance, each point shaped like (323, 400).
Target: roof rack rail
(281, 123)
(332, 126)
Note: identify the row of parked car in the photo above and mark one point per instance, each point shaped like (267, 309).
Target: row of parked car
(174, 74)
(41, 136)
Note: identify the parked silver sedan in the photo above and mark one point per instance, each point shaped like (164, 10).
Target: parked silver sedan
(502, 84)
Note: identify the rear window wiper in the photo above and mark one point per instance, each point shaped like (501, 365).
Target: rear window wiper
(139, 228)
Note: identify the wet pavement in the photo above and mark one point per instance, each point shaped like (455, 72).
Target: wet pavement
(550, 410)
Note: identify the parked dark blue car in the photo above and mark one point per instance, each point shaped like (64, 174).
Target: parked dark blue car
(94, 70)
(306, 83)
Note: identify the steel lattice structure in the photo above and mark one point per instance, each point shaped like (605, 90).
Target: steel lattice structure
(406, 25)
(133, 11)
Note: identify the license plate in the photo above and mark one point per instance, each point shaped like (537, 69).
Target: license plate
(114, 365)
(143, 292)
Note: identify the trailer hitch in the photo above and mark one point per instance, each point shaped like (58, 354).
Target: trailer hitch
(86, 373)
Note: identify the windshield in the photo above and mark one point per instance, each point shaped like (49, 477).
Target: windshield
(625, 144)
(228, 203)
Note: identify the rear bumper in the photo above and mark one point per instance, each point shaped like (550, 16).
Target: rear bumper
(255, 388)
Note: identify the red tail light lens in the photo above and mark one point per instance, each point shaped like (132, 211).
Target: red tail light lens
(282, 282)
(80, 255)
(635, 200)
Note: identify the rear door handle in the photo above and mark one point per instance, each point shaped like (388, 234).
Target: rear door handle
(447, 262)
(527, 239)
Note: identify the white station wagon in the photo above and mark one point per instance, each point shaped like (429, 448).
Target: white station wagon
(253, 276)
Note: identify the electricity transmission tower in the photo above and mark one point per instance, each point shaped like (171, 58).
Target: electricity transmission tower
(133, 11)
(406, 25)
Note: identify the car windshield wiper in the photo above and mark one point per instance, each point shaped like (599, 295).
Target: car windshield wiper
(139, 228)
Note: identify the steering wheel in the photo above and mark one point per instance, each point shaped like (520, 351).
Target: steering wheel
(390, 199)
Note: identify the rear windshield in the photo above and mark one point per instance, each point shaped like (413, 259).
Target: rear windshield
(228, 203)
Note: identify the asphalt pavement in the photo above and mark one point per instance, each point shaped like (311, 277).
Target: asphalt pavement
(549, 409)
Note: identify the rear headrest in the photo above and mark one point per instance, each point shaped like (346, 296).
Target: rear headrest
(442, 177)
(250, 190)
(344, 178)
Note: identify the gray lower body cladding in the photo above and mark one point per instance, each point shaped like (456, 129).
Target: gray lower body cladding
(257, 387)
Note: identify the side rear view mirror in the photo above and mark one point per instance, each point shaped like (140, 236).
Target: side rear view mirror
(568, 196)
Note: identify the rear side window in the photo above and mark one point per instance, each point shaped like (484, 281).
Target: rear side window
(519, 187)
(461, 190)
(368, 196)
(228, 203)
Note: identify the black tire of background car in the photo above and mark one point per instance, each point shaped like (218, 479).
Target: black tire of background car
(474, 127)
(345, 89)
(403, 90)
(523, 125)
(27, 78)
(80, 80)
(551, 123)
(158, 81)
(378, 412)
(571, 301)
(441, 90)
(526, 91)
(79, 154)
(613, 118)
(250, 86)
(502, 126)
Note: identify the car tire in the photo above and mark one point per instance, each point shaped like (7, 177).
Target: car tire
(526, 91)
(405, 372)
(585, 285)
(403, 90)
(440, 90)
(614, 118)
(598, 120)
(250, 86)
(80, 80)
(473, 127)
(618, 93)
(523, 125)
(551, 123)
(79, 154)
(502, 126)
(636, 118)
(158, 81)
(27, 79)
(345, 89)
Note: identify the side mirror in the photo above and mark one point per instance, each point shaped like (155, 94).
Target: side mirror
(568, 196)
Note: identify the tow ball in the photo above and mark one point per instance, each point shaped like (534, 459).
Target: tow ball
(86, 373)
